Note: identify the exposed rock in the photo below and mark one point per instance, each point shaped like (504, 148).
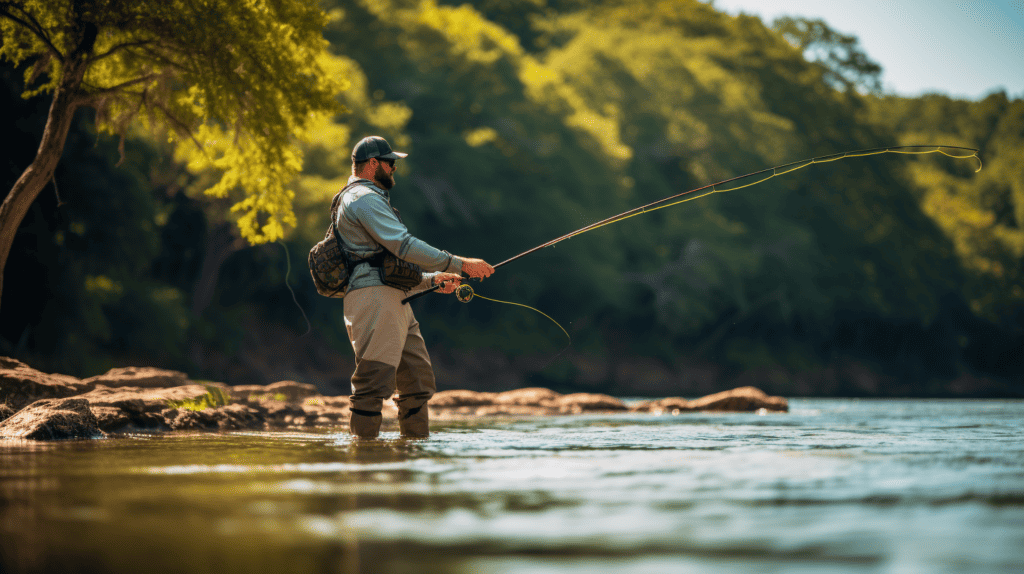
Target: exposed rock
(52, 419)
(533, 396)
(139, 377)
(512, 410)
(316, 409)
(248, 393)
(461, 398)
(282, 391)
(21, 385)
(672, 405)
(134, 408)
(341, 402)
(276, 412)
(110, 419)
(743, 399)
(137, 400)
(319, 411)
(531, 401)
(11, 363)
(150, 421)
(185, 419)
(588, 402)
(541, 402)
(323, 407)
(291, 390)
(235, 417)
(156, 399)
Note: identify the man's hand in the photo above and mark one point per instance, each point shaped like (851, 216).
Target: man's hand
(476, 268)
(447, 282)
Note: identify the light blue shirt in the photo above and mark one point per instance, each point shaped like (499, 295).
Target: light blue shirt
(368, 225)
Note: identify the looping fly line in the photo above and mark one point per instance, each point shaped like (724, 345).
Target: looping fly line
(465, 294)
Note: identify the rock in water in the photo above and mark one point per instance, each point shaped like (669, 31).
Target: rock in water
(742, 399)
(52, 419)
(577, 403)
(137, 408)
(291, 390)
(20, 384)
(529, 396)
(140, 377)
(461, 398)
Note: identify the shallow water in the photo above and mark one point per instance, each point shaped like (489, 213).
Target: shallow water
(833, 486)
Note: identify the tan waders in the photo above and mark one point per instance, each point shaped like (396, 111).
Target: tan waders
(390, 354)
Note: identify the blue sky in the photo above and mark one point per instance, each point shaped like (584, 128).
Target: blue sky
(963, 48)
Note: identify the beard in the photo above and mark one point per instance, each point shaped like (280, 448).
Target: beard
(386, 180)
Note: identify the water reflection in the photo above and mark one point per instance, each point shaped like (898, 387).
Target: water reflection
(833, 486)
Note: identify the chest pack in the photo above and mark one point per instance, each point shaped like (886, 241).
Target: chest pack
(331, 265)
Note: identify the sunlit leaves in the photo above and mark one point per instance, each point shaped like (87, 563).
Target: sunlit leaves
(981, 214)
(234, 85)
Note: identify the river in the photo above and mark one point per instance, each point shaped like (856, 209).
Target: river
(872, 486)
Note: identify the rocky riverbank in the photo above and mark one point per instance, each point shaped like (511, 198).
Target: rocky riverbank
(41, 406)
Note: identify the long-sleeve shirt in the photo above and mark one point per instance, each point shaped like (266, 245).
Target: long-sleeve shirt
(367, 224)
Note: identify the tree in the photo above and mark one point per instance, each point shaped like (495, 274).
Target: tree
(847, 65)
(982, 214)
(232, 85)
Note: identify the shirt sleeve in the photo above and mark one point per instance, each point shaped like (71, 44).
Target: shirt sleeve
(426, 283)
(376, 217)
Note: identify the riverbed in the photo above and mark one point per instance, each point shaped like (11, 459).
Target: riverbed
(871, 486)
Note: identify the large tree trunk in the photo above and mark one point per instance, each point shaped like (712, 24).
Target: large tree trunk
(66, 99)
(221, 243)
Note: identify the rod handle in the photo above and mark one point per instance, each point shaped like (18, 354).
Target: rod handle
(420, 294)
(435, 288)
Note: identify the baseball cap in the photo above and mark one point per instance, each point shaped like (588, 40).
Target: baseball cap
(374, 146)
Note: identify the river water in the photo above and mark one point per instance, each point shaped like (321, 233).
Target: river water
(833, 486)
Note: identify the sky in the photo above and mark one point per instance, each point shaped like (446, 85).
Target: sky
(962, 48)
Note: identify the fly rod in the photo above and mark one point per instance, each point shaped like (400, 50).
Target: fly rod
(713, 188)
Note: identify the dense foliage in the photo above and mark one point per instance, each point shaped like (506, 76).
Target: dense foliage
(526, 119)
(232, 85)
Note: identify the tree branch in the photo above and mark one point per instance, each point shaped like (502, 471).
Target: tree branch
(166, 60)
(99, 92)
(32, 26)
(180, 124)
(119, 47)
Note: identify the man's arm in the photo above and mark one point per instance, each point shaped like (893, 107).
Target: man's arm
(376, 217)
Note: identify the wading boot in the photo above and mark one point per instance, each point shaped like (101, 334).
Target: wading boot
(414, 423)
(365, 424)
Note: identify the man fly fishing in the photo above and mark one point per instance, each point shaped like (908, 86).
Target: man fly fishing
(386, 338)
(389, 350)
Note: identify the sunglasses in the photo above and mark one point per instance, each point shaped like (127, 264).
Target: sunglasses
(390, 162)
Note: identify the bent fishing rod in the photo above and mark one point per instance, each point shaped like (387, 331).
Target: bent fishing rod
(713, 188)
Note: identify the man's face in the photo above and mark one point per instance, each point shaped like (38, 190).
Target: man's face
(385, 174)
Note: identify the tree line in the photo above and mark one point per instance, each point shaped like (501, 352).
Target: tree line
(525, 120)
